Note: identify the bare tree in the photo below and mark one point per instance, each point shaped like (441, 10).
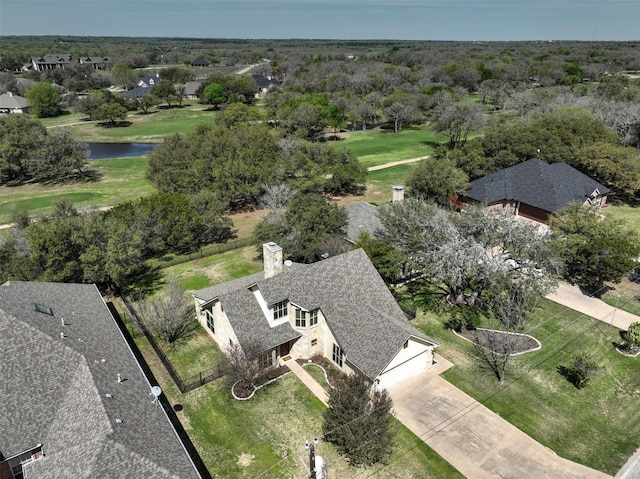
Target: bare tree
(171, 316)
(399, 113)
(458, 120)
(276, 197)
(246, 364)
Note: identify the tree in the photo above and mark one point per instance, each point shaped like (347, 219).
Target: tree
(398, 113)
(90, 104)
(298, 229)
(464, 258)
(111, 112)
(357, 420)
(165, 90)
(215, 94)
(44, 100)
(146, 102)
(171, 316)
(582, 368)
(123, 76)
(610, 164)
(20, 139)
(383, 255)
(632, 336)
(59, 157)
(245, 365)
(237, 114)
(177, 75)
(459, 120)
(594, 248)
(437, 179)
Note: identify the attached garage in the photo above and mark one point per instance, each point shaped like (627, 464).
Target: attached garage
(412, 359)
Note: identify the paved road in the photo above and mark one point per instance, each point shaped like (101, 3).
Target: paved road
(472, 438)
(574, 298)
(395, 163)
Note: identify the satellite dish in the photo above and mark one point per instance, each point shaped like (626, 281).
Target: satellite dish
(156, 391)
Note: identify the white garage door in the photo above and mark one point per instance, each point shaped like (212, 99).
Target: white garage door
(404, 370)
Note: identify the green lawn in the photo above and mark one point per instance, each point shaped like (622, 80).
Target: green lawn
(242, 439)
(121, 179)
(144, 128)
(381, 182)
(378, 146)
(629, 216)
(598, 426)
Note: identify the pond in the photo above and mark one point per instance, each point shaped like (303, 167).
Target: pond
(107, 151)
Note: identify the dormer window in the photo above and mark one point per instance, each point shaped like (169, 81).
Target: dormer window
(301, 318)
(280, 310)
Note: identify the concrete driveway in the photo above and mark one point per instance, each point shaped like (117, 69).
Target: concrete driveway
(475, 440)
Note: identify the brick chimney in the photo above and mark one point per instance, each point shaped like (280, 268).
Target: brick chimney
(272, 255)
(398, 194)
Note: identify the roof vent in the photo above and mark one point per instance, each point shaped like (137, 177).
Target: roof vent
(288, 263)
(118, 420)
(109, 396)
(44, 309)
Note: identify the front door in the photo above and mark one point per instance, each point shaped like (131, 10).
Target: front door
(285, 348)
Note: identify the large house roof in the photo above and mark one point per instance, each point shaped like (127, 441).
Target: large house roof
(362, 314)
(54, 390)
(549, 187)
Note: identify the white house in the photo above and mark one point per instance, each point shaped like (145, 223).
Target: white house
(339, 308)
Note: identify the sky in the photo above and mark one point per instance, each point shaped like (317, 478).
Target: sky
(464, 20)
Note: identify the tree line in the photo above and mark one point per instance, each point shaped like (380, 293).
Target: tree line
(108, 248)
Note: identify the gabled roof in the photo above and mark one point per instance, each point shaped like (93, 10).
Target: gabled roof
(361, 217)
(52, 58)
(136, 92)
(549, 187)
(54, 390)
(265, 82)
(362, 314)
(12, 102)
(200, 62)
(191, 87)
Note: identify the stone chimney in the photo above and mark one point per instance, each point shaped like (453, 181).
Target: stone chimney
(272, 254)
(398, 194)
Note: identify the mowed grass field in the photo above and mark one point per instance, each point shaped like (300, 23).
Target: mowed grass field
(378, 146)
(120, 180)
(597, 426)
(152, 127)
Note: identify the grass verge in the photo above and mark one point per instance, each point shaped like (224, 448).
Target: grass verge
(597, 426)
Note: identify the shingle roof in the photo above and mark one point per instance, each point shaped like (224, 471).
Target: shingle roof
(12, 102)
(361, 217)
(361, 312)
(54, 390)
(550, 187)
(136, 92)
(264, 82)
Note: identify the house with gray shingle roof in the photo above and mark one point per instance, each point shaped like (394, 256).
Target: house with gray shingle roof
(10, 103)
(74, 401)
(534, 189)
(339, 308)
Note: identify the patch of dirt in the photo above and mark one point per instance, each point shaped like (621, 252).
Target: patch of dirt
(245, 459)
(491, 340)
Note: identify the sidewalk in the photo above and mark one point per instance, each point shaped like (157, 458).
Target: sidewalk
(307, 380)
(572, 297)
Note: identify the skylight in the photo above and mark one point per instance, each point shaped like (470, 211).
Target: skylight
(44, 309)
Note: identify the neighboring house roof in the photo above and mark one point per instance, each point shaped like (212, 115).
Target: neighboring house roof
(136, 92)
(25, 83)
(94, 60)
(265, 82)
(199, 62)
(361, 217)
(12, 102)
(191, 87)
(361, 313)
(148, 80)
(52, 58)
(549, 187)
(54, 390)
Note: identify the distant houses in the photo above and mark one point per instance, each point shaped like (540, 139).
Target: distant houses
(51, 61)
